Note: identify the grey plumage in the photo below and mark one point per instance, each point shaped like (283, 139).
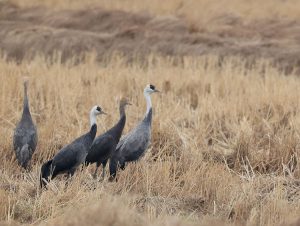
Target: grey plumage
(71, 156)
(105, 144)
(134, 145)
(25, 135)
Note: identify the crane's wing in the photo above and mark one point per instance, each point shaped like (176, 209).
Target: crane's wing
(134, 145)
(101, 147)
(25, 134)
(18, 138)
(124, 139)
(67, 158)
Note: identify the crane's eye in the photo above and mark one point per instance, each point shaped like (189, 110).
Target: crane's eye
(152, 87)
(98, 109)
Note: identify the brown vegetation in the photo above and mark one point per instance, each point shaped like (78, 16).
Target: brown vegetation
(225, 142)
(26, 32)
(233, 157)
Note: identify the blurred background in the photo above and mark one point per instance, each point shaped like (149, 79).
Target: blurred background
(251, 29)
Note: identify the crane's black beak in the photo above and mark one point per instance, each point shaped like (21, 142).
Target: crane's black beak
(156, 91)
(103, 113)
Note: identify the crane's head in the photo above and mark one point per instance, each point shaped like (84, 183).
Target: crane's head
(96, 110)
(25, 83)
(150, 89)
(124, 101)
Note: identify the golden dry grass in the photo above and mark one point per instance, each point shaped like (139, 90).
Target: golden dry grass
(225, 146)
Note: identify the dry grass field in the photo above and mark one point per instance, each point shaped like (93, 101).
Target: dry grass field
(225, 144)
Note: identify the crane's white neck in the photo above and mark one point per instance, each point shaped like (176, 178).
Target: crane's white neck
(148, 101)
(92, 118)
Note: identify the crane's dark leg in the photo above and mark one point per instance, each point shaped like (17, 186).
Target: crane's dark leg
(96, 170)
(122, 165)
(103, 168)
(113, 164)
(71, 172)
(82, 167)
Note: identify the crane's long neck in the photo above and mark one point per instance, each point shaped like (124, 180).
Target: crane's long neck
(93, 123)
(93, 118)
(122, 110)
(93, 131)
(25, 102)
(117, 129)
(148, 102)
(148, 115)
(121, 123)
(122, 120)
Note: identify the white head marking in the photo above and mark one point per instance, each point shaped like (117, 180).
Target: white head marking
(149, 89)
(96, 110)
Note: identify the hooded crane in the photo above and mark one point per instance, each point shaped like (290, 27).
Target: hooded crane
(105, 144)
(71, 156)
(25, 135)
(133, 145)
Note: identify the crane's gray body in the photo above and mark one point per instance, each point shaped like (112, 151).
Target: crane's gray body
(105, 145)
(25, 135)
(133, 145)
(72, 155)
(69, 157)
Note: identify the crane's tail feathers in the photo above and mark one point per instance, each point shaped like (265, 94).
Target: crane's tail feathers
(24, 155)
(45, 173)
